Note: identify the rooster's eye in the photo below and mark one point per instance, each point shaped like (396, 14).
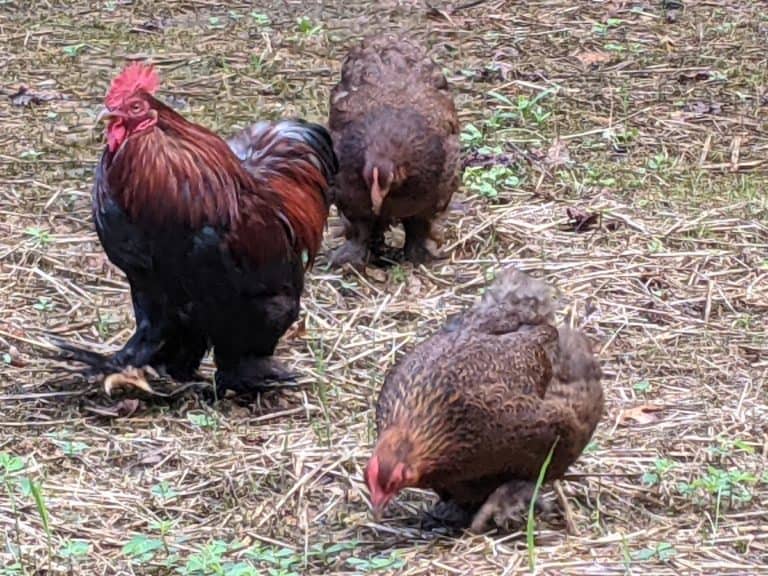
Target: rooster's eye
(136, 107)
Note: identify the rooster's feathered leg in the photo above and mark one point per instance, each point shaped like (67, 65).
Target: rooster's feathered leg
(251, 375)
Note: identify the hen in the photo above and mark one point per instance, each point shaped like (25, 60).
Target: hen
(473, 411)
(214, 237)
(396, 134)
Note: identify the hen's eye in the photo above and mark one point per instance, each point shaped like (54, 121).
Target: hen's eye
(136, 107)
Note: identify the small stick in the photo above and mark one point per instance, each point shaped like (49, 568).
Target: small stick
(570, 524)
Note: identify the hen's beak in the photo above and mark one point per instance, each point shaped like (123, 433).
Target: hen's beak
(379, 502)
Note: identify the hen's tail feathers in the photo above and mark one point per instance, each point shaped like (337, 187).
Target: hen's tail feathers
(574, 359)
(513, 300)
(296, 160)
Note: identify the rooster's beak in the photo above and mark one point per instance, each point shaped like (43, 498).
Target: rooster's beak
(106, 115)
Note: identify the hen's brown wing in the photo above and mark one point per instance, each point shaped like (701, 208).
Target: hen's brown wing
(523, 429)
(391, 71)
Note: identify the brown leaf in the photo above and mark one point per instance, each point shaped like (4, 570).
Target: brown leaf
(592, 58)
(127, 407)
(376, 274)
(26, 97)
(699, 107)
(151, 457)
(558, 154)
(643, 414)
(581, 220)
(699, 76)
(298, 330)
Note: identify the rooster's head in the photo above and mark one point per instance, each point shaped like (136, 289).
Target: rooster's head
(128, 105)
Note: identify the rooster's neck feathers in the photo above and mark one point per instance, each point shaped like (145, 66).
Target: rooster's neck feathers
(181, 172)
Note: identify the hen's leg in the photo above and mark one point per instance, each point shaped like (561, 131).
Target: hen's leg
(181, 353)
(355, 250)
(251, 374)
(418, 231)
(377, 243)
(151, 319)
(506, 508)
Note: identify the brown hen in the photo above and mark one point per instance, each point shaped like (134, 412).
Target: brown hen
(473, 411)
(396, 134)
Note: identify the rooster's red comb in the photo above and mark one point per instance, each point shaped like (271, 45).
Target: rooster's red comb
(134, 77)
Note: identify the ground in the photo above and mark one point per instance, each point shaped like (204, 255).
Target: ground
(618, 149)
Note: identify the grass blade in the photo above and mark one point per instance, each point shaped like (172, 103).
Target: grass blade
(37, 494)
(531, 524)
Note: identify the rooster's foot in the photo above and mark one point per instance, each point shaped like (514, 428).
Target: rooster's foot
(507, 507)
(421, 252)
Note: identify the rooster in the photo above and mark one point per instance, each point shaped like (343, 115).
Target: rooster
(213, 236)
(474, 411)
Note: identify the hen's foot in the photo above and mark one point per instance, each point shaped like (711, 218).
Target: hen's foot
(446, 514)
(253, 375)
(507, 507)
(352, 252)
(421, 253)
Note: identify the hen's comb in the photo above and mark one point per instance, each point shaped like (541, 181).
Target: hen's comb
(134, 77)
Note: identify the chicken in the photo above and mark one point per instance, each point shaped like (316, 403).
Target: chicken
(473, 411)
(396, 134)
(214, 237)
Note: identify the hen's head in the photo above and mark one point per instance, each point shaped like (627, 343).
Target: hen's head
(394, 465)
(128, 104)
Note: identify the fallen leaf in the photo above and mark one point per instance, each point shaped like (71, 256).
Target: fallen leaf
(150, 26)
(127, 407)
(476, 158)
(151, 457)
(699, 76)
(592, 58)
(558, 154)
(26, 97)
(376, 274)
(699, 107)
(643, 414)
(298, 330)
(581, 220)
